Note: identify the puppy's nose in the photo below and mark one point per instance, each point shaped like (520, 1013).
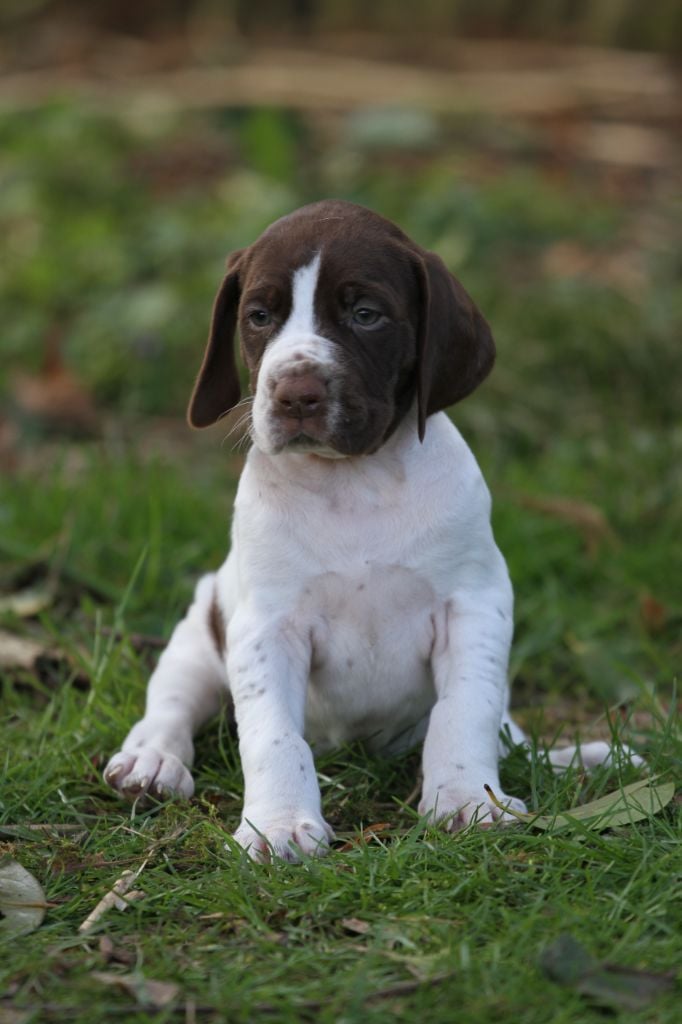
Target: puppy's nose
(299, 397)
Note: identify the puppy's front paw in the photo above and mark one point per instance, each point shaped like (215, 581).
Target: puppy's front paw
(149, 773)
(455, 807)
(265, 836)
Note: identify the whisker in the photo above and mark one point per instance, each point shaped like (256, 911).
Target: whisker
(247, 400)
(238, 425)
(245, 439)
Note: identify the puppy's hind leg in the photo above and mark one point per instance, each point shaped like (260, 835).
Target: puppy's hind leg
(591, 755)
(185, 690)
(585, 755)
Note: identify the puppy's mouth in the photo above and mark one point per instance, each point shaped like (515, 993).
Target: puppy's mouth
(301, 436)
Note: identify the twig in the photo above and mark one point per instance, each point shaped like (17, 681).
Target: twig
(400, 988)
(507, 808)
(58, 1011)
(114, 898)
(415, 791)
(61, 830)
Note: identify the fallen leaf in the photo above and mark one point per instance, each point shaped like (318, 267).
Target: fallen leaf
(623, 145)
(22, 900)
(20, 653)
(355, 925)
(622, 807)
(28, 602)
(370, 832)
(567, 259)
(9, 461)
(8, 1015)
(147, 991)
(654, 613)
(55, 398)
(588, 519)
(567, 962)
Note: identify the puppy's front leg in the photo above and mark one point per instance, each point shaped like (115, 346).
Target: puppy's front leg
(268, 667)
(469, 662)
(186, 689)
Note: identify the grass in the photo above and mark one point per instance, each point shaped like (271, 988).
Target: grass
(331, 939)
(582, 407)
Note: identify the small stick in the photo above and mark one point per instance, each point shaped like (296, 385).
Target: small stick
(65, 830)
(114, 898)
(505, 807)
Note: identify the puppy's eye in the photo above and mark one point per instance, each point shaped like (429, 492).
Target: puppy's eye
(364, 316)
(259, 318)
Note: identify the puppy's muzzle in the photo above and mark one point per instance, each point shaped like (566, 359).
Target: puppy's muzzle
(300, 398)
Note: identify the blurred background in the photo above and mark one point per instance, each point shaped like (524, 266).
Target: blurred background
(533, 143)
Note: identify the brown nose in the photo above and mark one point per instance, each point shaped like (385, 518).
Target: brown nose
(300, 397)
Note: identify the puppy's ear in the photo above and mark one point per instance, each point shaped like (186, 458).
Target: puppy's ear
(456, 350)
(217, 389)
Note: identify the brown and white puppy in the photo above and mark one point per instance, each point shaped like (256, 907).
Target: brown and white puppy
(364, 596)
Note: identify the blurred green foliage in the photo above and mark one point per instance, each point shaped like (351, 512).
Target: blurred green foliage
(115, 232)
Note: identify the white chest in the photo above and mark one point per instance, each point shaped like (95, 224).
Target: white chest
(371, 637)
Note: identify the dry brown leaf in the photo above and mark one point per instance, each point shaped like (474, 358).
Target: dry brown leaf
(370, 832)
(566, 259)
(111, 953)
(585, 517)
(20, 652)
(55, 397)
(654, 613)
(624, 145)
(356, 926)
(9, 435)
(28, 602)
(24, 654)
(146, 991)
(8, 1015)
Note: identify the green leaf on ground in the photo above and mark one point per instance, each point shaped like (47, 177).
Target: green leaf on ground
(567, 962)
(624, 806)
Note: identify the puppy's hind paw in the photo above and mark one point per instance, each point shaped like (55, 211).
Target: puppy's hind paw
(592, 755)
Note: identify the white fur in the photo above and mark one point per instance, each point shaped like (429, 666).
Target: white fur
(365, 598)
(297, 345)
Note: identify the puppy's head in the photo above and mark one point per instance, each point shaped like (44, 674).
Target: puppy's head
(343, 322)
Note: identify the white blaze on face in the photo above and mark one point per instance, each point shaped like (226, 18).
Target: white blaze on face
(301, 322)
(295, 347)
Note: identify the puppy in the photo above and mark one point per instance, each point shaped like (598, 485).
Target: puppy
(364, 596)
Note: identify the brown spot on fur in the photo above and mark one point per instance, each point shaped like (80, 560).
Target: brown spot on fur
(216, 625)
